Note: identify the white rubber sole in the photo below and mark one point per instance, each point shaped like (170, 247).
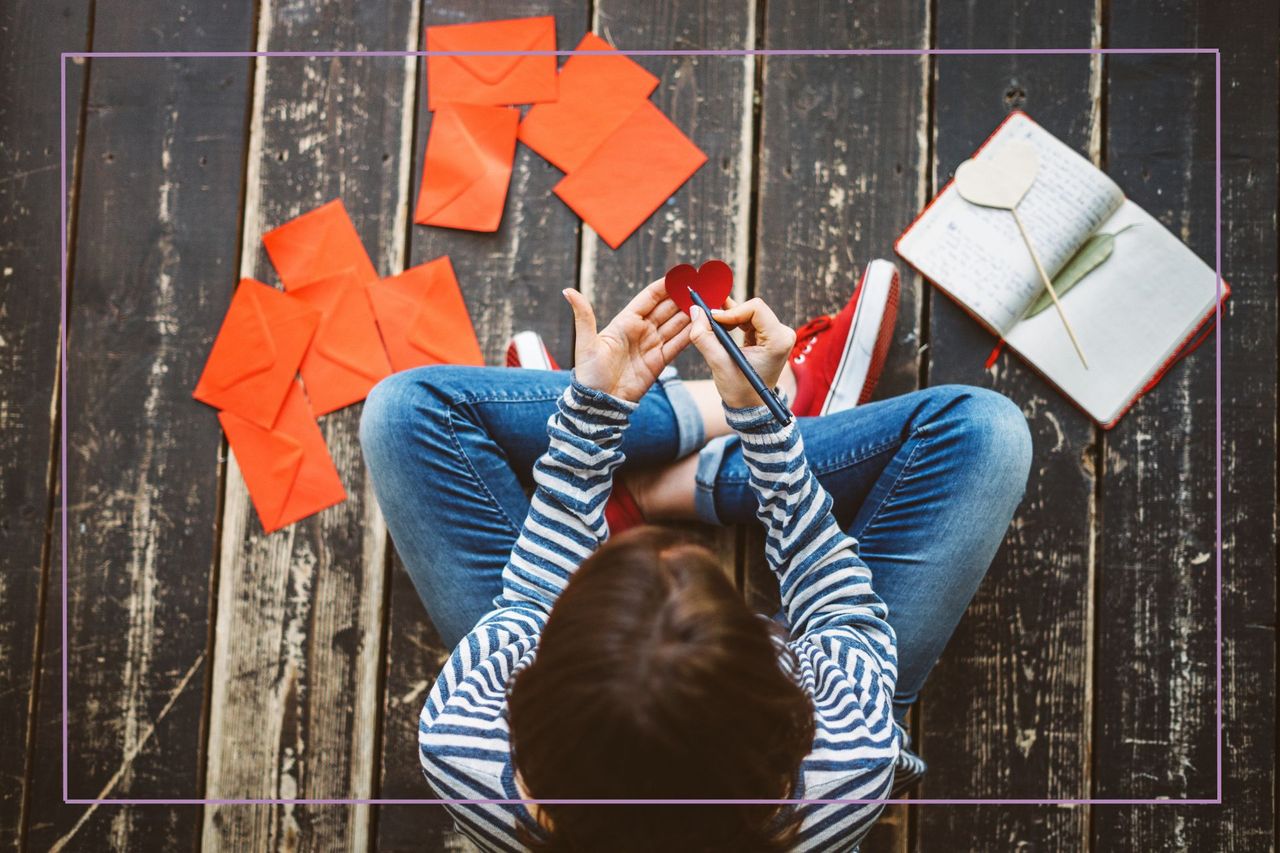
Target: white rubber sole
(864, 334)
(530, 351)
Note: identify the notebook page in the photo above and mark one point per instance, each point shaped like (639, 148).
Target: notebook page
(1130, 314)
(977, 254)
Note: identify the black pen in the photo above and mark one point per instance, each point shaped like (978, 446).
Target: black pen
(766, 395)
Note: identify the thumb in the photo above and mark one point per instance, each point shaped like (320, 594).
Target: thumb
(584, 317)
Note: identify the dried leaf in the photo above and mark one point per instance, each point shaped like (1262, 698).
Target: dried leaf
(1094, 251)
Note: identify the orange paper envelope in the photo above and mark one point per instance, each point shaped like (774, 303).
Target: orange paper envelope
(468, 167)
(493, 80)
(346, 357)
(423, 318)
(597, 93)
(317, 244)
(287, 468)
(636, 169)
(257, 352)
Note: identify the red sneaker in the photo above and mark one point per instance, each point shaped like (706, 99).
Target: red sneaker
(526, 349)
(838, 358)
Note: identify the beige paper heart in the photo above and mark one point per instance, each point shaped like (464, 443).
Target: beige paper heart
(1000, 181)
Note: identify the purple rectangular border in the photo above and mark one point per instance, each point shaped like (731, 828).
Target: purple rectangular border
(250, 54)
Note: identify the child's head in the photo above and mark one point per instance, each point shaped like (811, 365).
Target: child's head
(654, 680)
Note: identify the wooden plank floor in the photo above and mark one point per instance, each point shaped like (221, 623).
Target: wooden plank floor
(209, 659)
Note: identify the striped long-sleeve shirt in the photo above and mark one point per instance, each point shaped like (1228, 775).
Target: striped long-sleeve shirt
(845, 648)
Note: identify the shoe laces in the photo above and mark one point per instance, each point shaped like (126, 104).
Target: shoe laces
(807, 335)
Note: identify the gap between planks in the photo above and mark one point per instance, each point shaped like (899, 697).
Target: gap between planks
(1095, 453)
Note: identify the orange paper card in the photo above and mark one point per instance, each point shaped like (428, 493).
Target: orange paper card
(468, 167)
(636, 169)
(597, 93)
(317, 244)
(493, 80)
(346, 357)
(257, 352)
(423, 318)
(287, 468)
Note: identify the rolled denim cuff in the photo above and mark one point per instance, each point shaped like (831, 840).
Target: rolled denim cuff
(689, 425)
(709, 460)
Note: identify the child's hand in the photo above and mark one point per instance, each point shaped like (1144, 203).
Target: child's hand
(626, 356)
(767, 345)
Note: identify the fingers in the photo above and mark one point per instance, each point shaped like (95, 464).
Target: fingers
(664, 312)
(584, 317)
(762, 325)
(753, 311)
(675, 345)
(648, 299)
(673, 324)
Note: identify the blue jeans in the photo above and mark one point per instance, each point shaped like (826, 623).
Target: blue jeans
(926, 482)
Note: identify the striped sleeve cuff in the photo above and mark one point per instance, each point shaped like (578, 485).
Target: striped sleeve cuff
(757, 426)
(595, 414)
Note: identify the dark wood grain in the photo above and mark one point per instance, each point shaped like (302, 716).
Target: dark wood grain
(1006, 713)
(1156, 569)
(324, 654)
(1250, 93)
(510, 280)
(1156, 671)
(157, 226)
(30, 272)
(709, 99)
(295, 684)
(842, 167)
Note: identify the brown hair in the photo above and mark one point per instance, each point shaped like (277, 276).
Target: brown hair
(654, 680)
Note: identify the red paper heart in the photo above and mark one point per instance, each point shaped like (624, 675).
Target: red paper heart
(713, 281)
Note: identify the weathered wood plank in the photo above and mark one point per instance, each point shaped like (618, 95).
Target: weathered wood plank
(710, 100)
(295, 680)
(156, 229)
(1250, 94)
(1007, 713)
(511, 280)
(1156, 642)
(843, 165)
(1156, 656)
(30, 41)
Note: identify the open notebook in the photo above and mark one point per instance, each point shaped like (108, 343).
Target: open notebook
(1134, 314)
